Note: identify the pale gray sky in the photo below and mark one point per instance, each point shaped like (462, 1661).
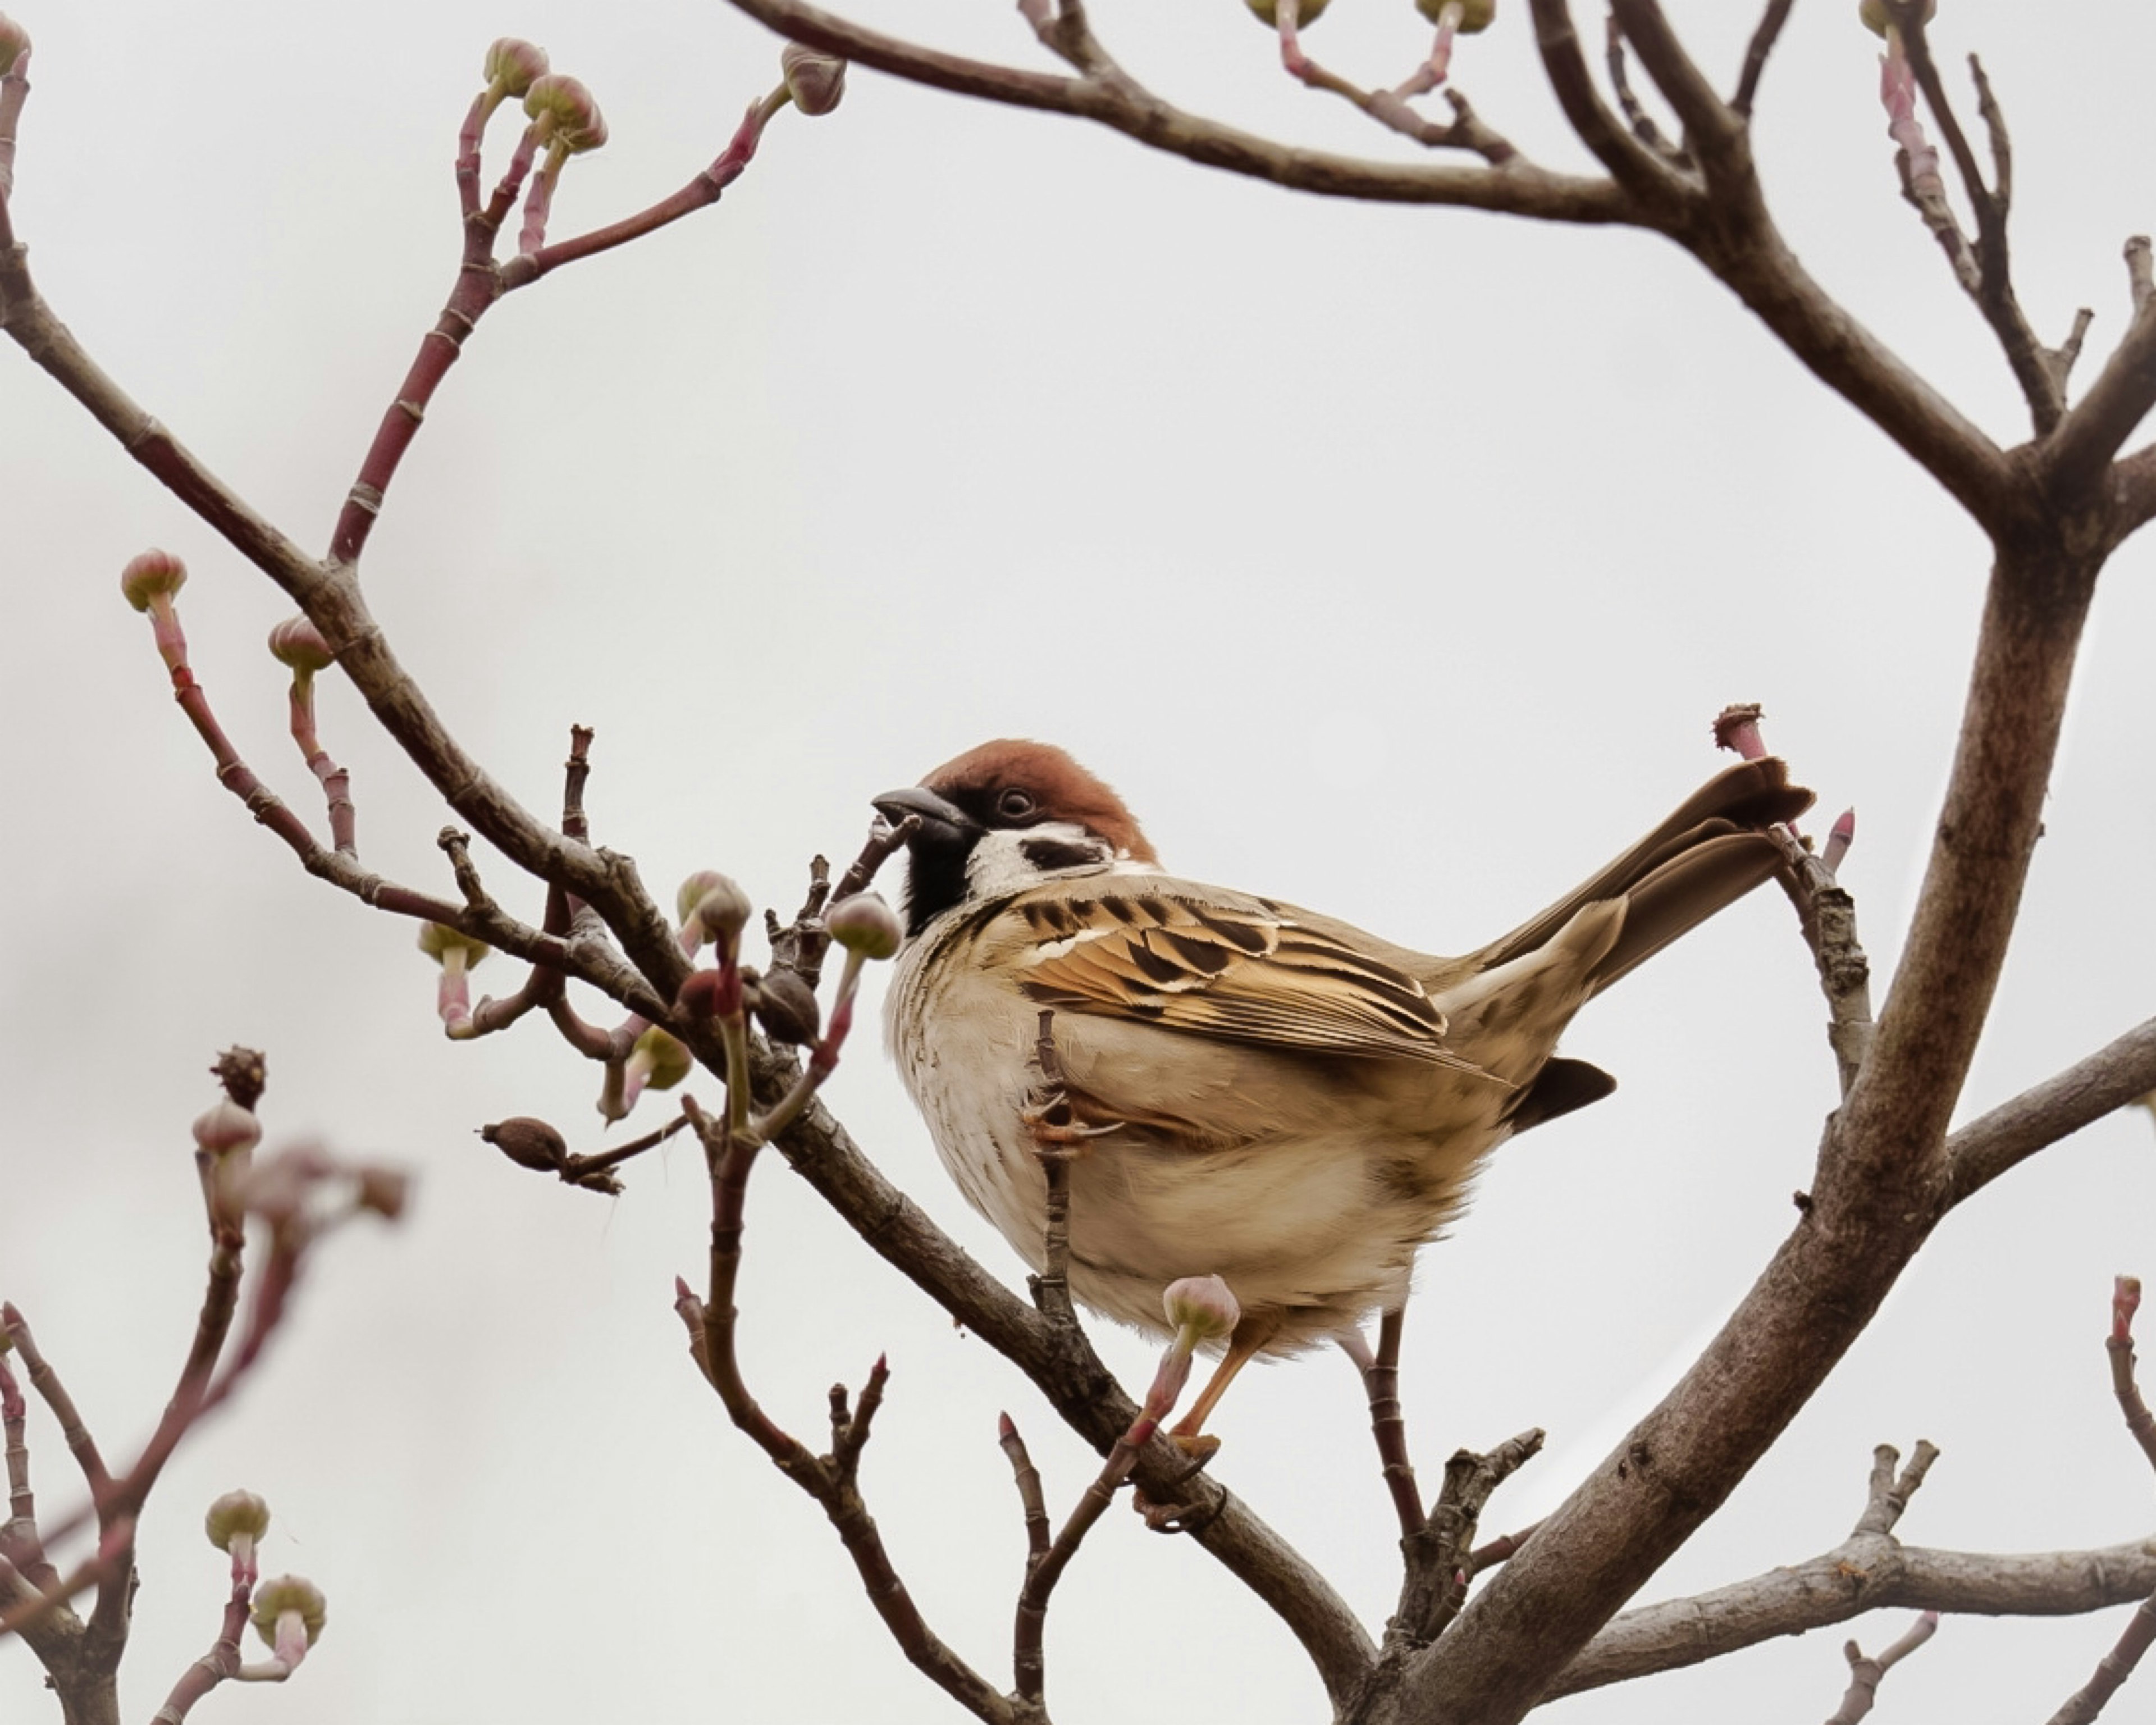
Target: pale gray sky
(1390, 561)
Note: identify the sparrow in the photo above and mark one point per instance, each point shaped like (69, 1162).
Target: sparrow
(1264, 1093)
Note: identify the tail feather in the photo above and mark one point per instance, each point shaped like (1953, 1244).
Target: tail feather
(1710, 851)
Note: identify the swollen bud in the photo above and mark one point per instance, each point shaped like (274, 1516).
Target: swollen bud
(513, 65)
(1204, 1305)
(297, 643)
(690, 892)
(568, 114)
(291, 1593)
(227, 1126)
(722, 912)
(1876, 17)
(660, 1059)
(785, 1006)
(1269, 14)
(815, 81)
(234, 1515)
(866, 925)
(14, 43)
(528, 1142)
(151, 575)
(447, 946)
(1476, 16)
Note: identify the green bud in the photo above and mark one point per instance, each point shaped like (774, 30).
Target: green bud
(1476, 16)
(438, 941)
(289, 1593)
(1269, 14)
(234, 1514)
(14, 43)
(664, 1061)
(1875, 17)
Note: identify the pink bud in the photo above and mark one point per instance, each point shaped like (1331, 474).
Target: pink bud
(1736, 728)
(513, 65)
(297, 643)
(2125, 1301)
(568, 114)
(1838, 841)
(1204, 1305)
(151, 575)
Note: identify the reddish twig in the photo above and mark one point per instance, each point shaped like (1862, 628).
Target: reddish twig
(1388, 1426)
(2125, 1301)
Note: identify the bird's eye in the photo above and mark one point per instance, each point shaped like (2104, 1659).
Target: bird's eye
(1015, 804)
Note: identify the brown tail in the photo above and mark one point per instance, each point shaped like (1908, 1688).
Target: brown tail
(1710, 851)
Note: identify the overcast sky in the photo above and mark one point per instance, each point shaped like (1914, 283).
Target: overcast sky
(1392, 561)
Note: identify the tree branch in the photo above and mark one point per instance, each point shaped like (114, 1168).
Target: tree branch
(2044, 1113)
(1126, 106)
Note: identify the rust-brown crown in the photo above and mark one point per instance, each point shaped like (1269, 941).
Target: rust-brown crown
(1061, 788)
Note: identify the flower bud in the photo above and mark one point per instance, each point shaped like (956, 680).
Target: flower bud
(382, 1191)
(447, 946)
(526, 1142)
(234, 1515)
(1476, 16)
(151, 575)
(513, 65)
(866, 925)
(722, 912)
(227, 1126)
(568, 115)
(690, 892)
(14, 43)
(289, 1593)
(816, 81)
(659, 1060)
(785, 1006)
(1876, 17)
(1269, 14)
(297, 643)
(1205, 1305)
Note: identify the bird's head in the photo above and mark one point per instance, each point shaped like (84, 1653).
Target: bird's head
(1002, 816)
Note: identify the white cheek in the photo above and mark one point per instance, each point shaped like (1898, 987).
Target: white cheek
(999, 864)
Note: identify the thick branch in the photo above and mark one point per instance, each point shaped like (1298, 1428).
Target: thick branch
(2043, 1114)
(1882, 1183)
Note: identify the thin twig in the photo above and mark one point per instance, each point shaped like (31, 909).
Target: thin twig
(1865, 1674)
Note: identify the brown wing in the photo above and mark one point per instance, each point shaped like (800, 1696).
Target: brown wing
(1245, 971)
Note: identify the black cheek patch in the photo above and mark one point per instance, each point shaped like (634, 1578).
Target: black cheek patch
(1048, 853)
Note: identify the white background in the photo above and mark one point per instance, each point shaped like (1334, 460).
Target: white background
(1390, 561)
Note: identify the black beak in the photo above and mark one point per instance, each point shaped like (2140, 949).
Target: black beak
(894, 806)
